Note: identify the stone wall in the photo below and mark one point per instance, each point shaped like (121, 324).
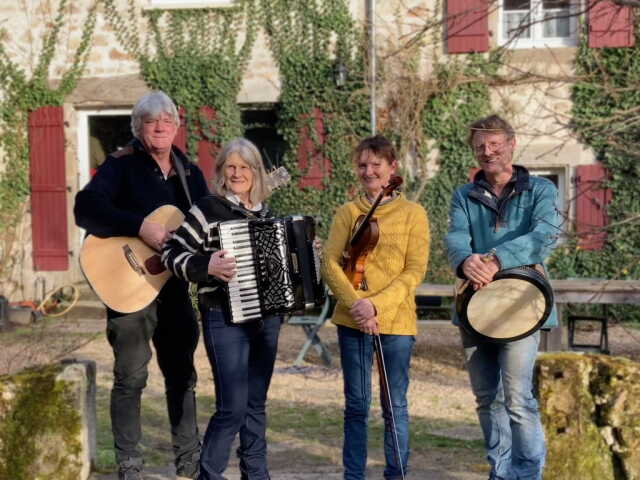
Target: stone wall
(591, 414)
(112, 81)
(47, 422)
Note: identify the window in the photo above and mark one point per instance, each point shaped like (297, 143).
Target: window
(538, 23)
(169, 4)
(558, 177)
(260, 122)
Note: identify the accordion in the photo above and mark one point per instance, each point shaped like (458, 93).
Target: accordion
(278, 267)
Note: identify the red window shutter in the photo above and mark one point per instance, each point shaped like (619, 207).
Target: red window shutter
(610, 25)
(312, 162)
(207, 150)
(592, 199)
(467, 26)
(47, 174)
(181, 137)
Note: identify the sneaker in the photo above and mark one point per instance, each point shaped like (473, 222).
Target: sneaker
(130, 470)
(188, 467)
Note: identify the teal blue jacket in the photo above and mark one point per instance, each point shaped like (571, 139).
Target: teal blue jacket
(522, 228)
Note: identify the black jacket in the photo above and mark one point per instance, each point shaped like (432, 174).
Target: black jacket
(128, 186)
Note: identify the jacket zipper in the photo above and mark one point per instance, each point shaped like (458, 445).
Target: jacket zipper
(501, 209)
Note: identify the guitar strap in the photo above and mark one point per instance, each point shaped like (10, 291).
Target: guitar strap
(177, 164)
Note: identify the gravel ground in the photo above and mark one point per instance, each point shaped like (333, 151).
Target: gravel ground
(439, 397)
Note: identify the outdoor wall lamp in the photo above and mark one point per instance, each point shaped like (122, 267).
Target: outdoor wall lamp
(340, 74)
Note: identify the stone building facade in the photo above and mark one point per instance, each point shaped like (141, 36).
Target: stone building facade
(111, 84)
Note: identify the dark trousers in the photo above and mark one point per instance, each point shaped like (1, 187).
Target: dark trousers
(170, 323)
(242, 359)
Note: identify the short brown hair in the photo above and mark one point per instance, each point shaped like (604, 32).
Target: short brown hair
(492, 123)
(379, 146)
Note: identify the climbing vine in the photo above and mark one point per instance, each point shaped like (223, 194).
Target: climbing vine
(196, 56)
(460, 97)
(309, 40)
(428, 116)
(605, 110)
(24, 91)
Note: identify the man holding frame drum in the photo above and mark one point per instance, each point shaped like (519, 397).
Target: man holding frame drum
(501, 228)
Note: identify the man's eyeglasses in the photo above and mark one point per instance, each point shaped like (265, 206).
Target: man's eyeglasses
(492, 147)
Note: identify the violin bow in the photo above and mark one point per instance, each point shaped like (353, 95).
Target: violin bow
(385, 395)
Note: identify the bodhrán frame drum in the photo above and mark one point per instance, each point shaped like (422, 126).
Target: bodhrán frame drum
(514, 305)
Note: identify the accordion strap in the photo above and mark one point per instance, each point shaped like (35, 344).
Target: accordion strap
(240, 210)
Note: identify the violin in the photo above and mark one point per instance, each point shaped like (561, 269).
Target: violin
(366, 234)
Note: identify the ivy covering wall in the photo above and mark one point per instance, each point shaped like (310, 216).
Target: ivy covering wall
(196, 56)
(308, 40)
(23, 91)
(606, 103)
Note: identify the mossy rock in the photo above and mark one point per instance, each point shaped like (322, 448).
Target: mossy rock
(40, 427)
(591, 416)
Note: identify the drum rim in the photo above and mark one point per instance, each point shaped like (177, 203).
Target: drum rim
(527, 273)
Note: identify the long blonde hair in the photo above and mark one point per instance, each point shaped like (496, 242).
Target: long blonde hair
(249, 153)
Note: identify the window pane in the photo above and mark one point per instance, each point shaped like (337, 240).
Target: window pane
(517, 4)
(516, 24)
(558, 24)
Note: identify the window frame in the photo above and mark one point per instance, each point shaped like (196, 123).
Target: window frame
(536, 39)
(564, 187)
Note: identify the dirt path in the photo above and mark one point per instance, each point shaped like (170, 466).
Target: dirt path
(440, 402)
(441, 408)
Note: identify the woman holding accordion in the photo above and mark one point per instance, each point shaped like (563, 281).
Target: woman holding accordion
(383, 305)
(242, 355)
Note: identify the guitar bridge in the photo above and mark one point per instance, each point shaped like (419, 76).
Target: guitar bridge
(133, 261)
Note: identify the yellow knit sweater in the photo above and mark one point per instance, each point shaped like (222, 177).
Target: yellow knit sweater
(393, 269)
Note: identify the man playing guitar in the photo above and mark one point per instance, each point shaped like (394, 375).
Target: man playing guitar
(132, 182)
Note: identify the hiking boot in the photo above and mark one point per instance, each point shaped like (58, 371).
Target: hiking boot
(188, 467)
(130, 469)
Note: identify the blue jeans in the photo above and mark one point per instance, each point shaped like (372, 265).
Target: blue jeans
(242, 358)
(502, 381)
(356, 355)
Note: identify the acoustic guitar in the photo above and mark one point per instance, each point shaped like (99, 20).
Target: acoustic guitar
(126, 273)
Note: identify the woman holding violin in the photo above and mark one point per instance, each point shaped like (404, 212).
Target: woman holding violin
(376, 300)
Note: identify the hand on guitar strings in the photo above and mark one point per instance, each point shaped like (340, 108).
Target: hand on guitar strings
(362, 310)
(369, 326)
(222, 267)
(154, 234)
(480, 270)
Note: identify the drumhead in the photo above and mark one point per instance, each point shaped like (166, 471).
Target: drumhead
(513, 306)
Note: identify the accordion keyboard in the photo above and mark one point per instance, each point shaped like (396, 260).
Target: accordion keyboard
(244, 299)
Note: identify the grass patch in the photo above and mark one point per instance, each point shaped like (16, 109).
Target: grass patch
(313, 433)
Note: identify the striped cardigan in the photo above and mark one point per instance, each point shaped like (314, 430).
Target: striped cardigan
(189, 249)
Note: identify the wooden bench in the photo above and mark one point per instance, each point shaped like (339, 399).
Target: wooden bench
(587, 291)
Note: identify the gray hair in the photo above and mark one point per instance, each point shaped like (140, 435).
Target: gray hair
(152, 105)
(249, 153)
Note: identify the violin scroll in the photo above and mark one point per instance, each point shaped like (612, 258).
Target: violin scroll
(394, 184)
